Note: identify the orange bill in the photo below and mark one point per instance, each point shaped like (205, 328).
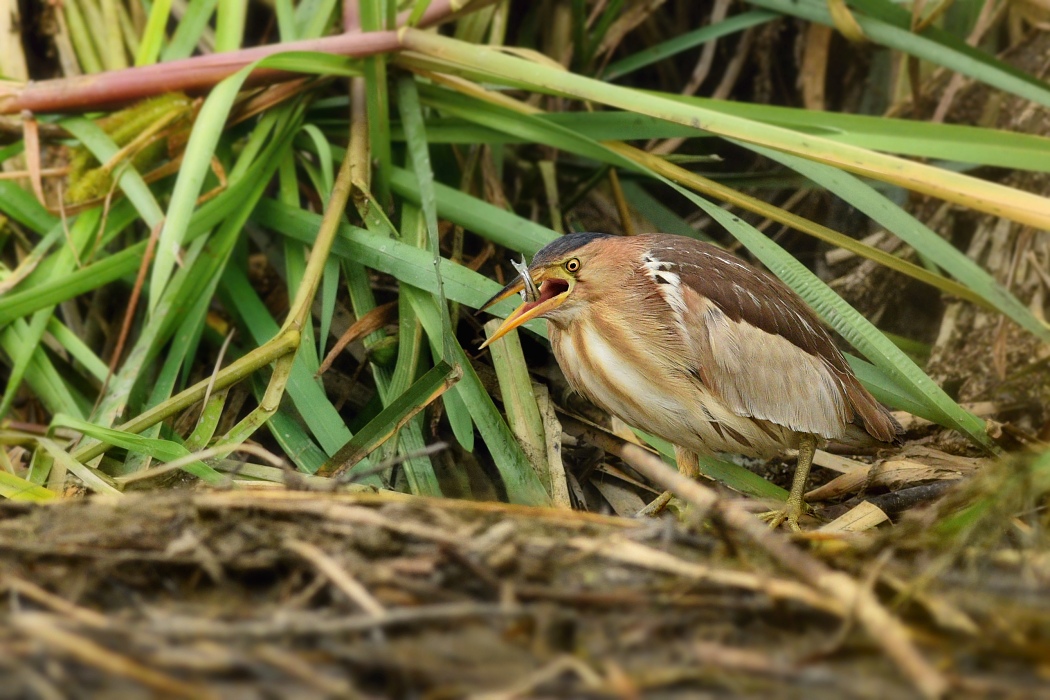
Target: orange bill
(552, 293)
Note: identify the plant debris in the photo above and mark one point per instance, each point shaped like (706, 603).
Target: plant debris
(213, 594)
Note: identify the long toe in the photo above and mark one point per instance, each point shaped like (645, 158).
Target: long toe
(790, 513)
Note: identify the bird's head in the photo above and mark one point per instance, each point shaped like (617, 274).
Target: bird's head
(560, 274)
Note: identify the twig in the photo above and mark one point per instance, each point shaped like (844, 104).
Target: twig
(307, 624)
(628, 552)
(200, 456)
(296, 501)
(527, 686)
(308, 673)
(42, 627)
(339, 577)
(44, 597)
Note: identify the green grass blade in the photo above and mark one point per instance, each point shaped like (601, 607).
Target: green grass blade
(22, 206)
(153, 36)
(419, 153)
(43, 380)
(520, 481)
(391, 419)
(684, 42)
(378, 103)
(409, 351)
(499, 226)
(661, 216)
(70, 285)
(308, 397)
(18, 489)
(519, 401)
(162, 450)
(949, 142)
(78, 349)
(229, 25)
(190, 29)
(91, 478)
(407, 263)
(917, 235)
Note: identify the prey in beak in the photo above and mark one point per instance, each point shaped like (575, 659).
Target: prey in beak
(540, 292)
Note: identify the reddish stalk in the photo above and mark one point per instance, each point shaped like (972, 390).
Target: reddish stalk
(197, 74)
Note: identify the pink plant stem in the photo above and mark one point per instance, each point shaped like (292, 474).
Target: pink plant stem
(193, 75)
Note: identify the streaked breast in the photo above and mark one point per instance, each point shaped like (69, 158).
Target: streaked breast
(619, 375)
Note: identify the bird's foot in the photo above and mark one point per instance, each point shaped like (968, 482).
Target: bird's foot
(791, 512)
(656, 507)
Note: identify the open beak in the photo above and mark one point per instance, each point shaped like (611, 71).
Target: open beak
(552, 293)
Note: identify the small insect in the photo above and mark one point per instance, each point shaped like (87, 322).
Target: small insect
(531, 292)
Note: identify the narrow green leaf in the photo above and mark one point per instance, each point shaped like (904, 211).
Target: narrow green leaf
(499, 226)
(419, 153)
(162, 450)
(407, 263)
(378, 102)
(91, 478)
(684, 42)
(519, 401)
(22, 206)
(229, 25)
(518, 478)
(72, 284)
(153, 36)
(392, 418)
(313, 17)
(44, 381)
(410, 349)
(190, 29)
(78, 349)
(917, 235)
(18, 489)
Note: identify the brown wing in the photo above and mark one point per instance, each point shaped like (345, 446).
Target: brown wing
(747, 328)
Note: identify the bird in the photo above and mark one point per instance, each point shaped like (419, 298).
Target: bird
(685, 341)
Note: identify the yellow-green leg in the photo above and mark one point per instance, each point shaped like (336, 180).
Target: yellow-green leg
(688, 465)
(794, 507)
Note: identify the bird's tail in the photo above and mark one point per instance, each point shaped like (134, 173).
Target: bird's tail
(857, 435)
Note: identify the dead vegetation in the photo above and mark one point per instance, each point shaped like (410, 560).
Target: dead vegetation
(300, 594)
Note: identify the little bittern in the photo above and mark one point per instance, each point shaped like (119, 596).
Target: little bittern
(687, 342)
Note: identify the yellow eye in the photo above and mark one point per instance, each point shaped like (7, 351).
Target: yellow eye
(572, 265)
